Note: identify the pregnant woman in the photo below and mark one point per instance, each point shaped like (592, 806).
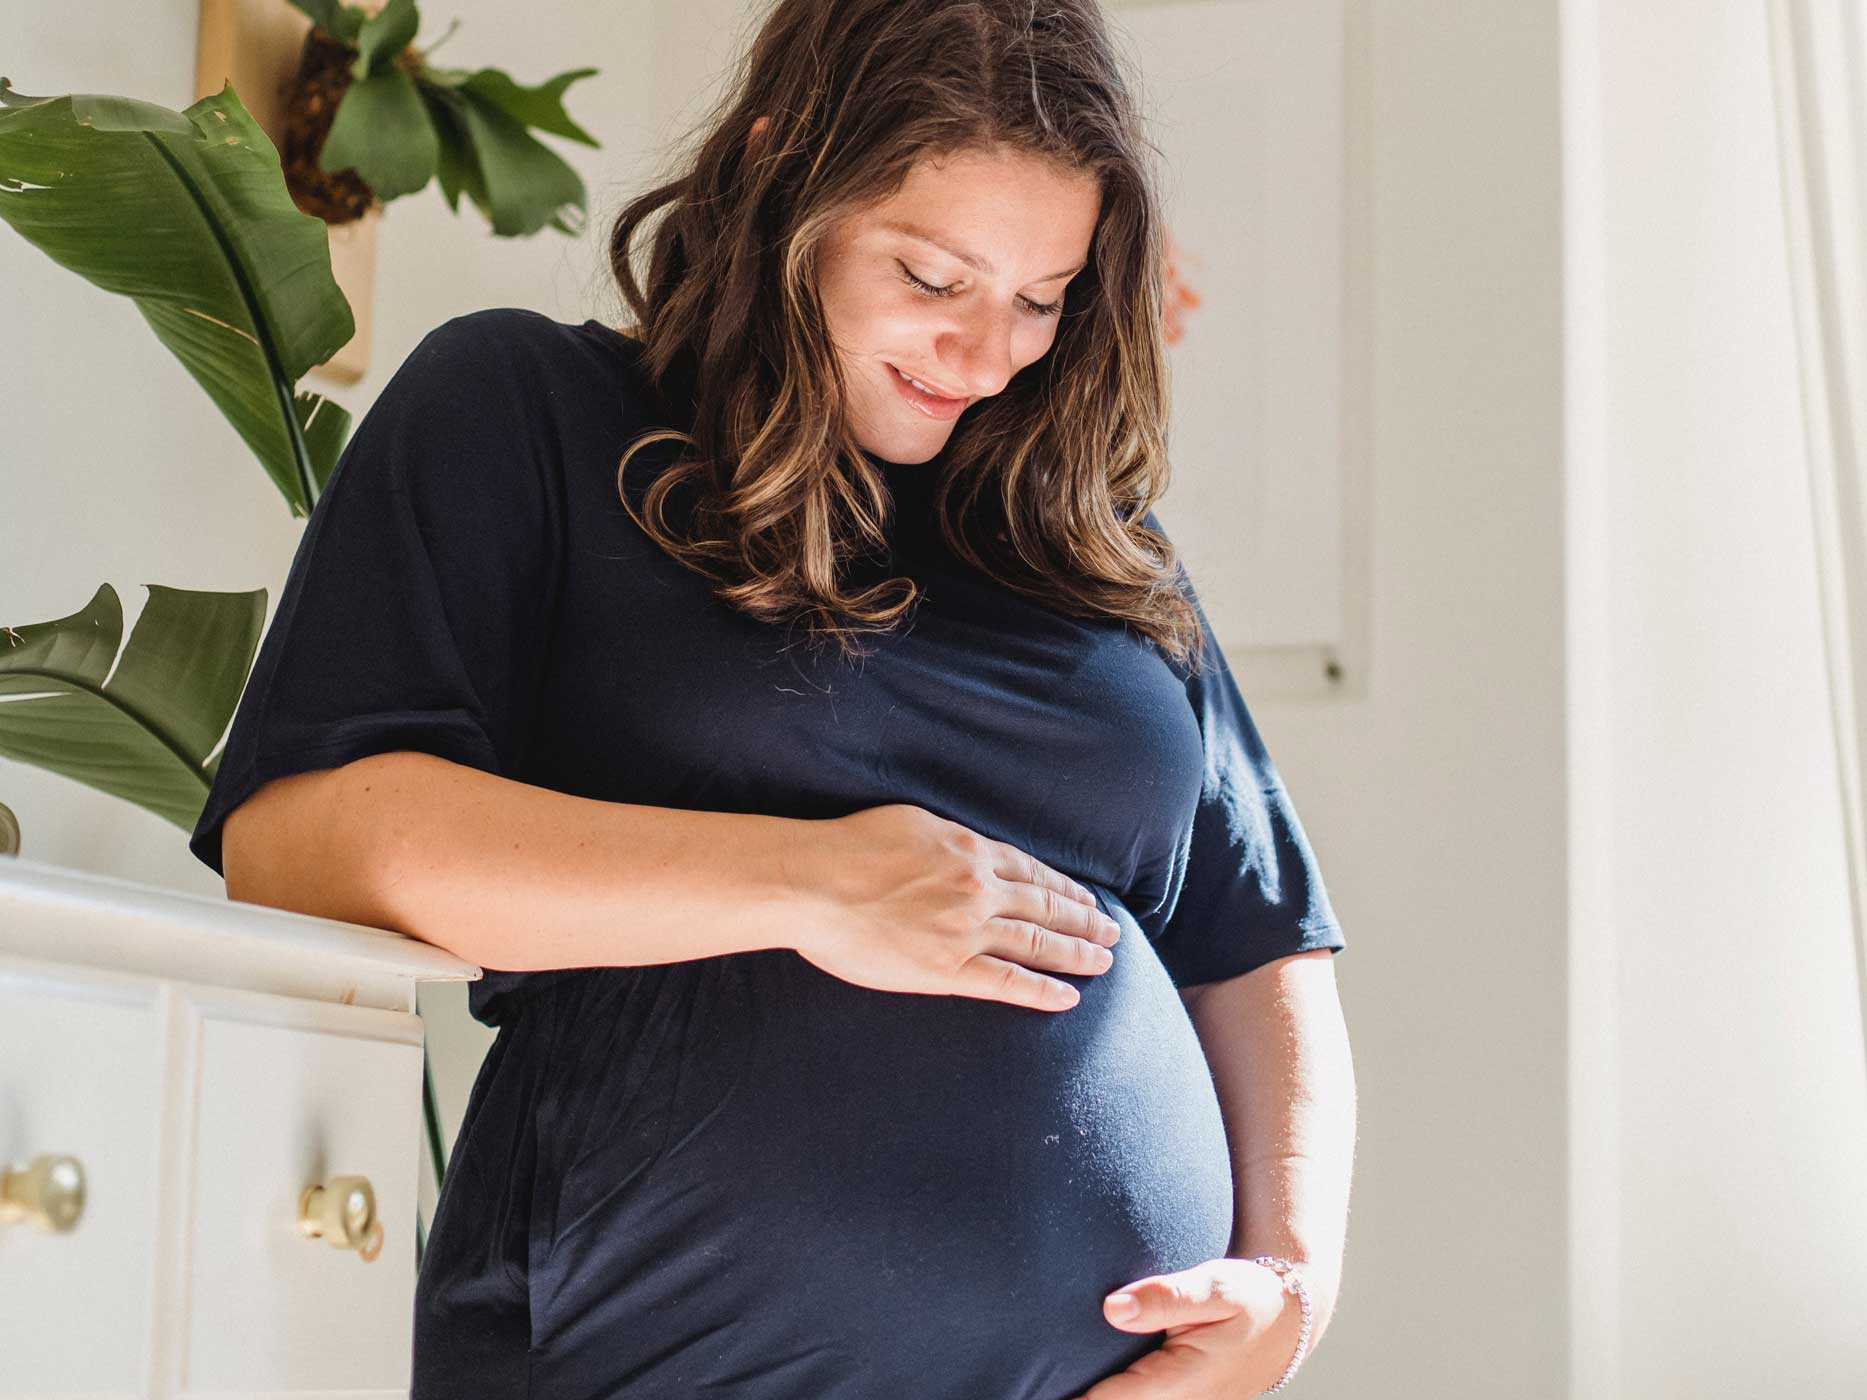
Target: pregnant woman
(901, 945)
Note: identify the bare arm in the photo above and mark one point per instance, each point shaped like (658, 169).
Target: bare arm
(512, 876)
(1280, 1058)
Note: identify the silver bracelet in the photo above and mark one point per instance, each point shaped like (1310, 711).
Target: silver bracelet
(1292, 1283)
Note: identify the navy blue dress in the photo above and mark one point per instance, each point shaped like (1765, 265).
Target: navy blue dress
(741, 1177)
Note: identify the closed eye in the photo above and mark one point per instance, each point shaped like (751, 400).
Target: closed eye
(928, 289)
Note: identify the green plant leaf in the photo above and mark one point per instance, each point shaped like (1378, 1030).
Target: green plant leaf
(541, 107)
(383, 132)
(339, 21)
(457, 168)
(384, 35)
(186, 213)
(325, 426)
(143, 731)
(527, 183)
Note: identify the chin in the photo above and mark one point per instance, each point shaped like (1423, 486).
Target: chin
(899, 443)
(906, 453)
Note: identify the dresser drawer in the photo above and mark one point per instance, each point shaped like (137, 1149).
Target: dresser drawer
(290, 1095)
(80, 1076)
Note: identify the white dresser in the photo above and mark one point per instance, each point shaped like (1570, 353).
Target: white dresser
(178, 1073)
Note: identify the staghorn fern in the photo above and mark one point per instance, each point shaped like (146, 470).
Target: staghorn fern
(371, 120)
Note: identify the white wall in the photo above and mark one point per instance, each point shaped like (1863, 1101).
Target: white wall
(1437, 804)
(1717, 930)
(1595, 633)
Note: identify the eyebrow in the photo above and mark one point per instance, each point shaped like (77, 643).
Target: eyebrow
(978, 264)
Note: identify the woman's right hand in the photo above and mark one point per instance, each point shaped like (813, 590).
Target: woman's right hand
(903, 900)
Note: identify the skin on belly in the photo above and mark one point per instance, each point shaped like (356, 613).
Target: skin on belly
(758, 1165)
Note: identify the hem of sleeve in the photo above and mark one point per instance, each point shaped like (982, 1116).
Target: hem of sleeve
(451, 736)
(1309, 938)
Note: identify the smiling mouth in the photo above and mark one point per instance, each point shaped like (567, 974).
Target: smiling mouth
(927, 388)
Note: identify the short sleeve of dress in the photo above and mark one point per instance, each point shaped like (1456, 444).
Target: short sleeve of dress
(416, 609)
(1248, 887)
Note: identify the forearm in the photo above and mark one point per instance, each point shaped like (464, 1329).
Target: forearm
(1279, 1051)
(523, 878)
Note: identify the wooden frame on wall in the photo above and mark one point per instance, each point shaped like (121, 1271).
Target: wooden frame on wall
(254, 44)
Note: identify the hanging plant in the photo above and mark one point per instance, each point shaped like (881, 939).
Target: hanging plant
(369, 119)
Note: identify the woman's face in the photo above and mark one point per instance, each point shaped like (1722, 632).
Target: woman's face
(1000, 234)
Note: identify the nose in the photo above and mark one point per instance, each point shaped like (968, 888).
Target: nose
(979, 352)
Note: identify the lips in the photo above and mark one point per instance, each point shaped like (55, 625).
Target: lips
(938, 391)
(942, 408)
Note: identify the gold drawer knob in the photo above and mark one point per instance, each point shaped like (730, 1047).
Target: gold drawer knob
(48, 1191)
(343, 1211)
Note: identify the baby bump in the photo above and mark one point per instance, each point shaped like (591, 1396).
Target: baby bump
(758, 1177)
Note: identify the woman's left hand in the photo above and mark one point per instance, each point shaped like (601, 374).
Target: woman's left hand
(1231, 1331)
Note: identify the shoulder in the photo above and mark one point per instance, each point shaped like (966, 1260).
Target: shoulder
(514, 339)
(578, 377)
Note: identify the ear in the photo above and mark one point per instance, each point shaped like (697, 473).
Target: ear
(757, 128)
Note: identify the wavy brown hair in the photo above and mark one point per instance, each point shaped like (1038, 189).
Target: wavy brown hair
(1043, 486)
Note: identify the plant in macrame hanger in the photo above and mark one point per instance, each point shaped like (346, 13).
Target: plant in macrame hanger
(369, 119)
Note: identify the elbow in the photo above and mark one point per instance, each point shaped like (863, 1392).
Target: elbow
(298, 844)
